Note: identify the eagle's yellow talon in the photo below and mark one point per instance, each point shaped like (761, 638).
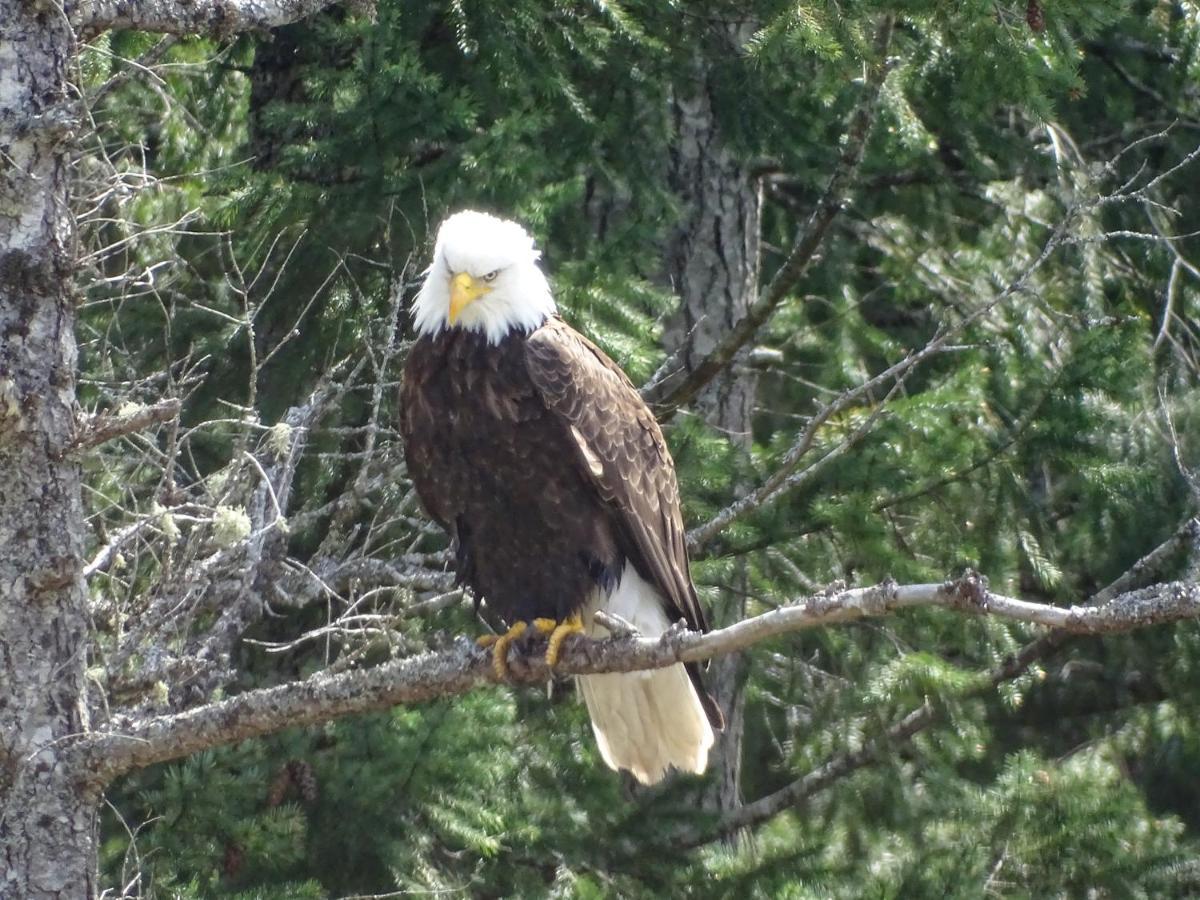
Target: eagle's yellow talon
(560, 633)
(500, 649)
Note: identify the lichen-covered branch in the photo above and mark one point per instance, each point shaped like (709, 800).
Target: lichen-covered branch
(925, 716)
(131, 743)
(102, 428)
(187, 17)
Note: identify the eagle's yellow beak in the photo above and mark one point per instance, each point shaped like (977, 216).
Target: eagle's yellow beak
(464, 290)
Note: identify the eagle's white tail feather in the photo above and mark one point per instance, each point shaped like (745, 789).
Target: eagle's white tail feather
(645, 722)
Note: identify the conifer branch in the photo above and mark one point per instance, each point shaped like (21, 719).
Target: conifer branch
(785, 477)
(134, 742)
(668, 394)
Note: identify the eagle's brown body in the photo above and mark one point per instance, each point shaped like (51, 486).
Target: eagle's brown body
(493, 464)
(542, 461)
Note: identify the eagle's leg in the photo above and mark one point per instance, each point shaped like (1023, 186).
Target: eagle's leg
(559, 632)
(500, 644)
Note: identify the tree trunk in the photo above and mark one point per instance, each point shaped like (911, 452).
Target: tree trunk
(47, 812)
(712, 262)
(712, 255)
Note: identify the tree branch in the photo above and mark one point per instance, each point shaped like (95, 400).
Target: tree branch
(669, 394)
(813, 782)
(100, 429)
(782, 479)
(133, 743)
(785, 477)
(916, 721)
(188, 17)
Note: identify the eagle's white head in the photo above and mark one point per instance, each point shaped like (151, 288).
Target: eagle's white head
(484, 277)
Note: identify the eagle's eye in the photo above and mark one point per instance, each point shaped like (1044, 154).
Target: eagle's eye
(491, 276)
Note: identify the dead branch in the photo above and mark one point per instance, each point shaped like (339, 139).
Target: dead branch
(813, 782)
(182, 17)
(130, 743)
(786, 477)
(925, 716)
(100, 429)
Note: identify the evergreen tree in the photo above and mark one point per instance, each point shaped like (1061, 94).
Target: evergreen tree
(1047, 446)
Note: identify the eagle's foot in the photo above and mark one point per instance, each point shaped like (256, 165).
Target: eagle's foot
(500, 644)
(544, 626)
(559, 632)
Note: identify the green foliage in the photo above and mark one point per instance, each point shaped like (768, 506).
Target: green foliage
(1032, 449)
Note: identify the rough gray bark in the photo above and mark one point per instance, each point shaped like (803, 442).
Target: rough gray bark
(711, 257)
(680, 385)
(712, 262)
(47, 800)
(47, 814)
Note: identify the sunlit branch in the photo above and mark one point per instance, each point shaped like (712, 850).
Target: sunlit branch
(133, 743)
(785, 476)
(187, 17)
(923, 717)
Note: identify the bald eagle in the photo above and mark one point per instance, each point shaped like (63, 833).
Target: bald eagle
(534, 451)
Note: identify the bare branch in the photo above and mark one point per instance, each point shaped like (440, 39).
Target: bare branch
(106, 554)
(813, 782)
(185, 17)
(134, 743)
(785, 477)
(102, 428)
(924, 716)
(1153, 562)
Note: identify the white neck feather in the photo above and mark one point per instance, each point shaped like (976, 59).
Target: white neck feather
(476, 243)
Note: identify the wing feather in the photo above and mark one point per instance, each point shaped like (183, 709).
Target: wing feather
(622, 451)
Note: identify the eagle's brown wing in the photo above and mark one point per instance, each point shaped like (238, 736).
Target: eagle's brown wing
(621, 448)
(418, 414)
